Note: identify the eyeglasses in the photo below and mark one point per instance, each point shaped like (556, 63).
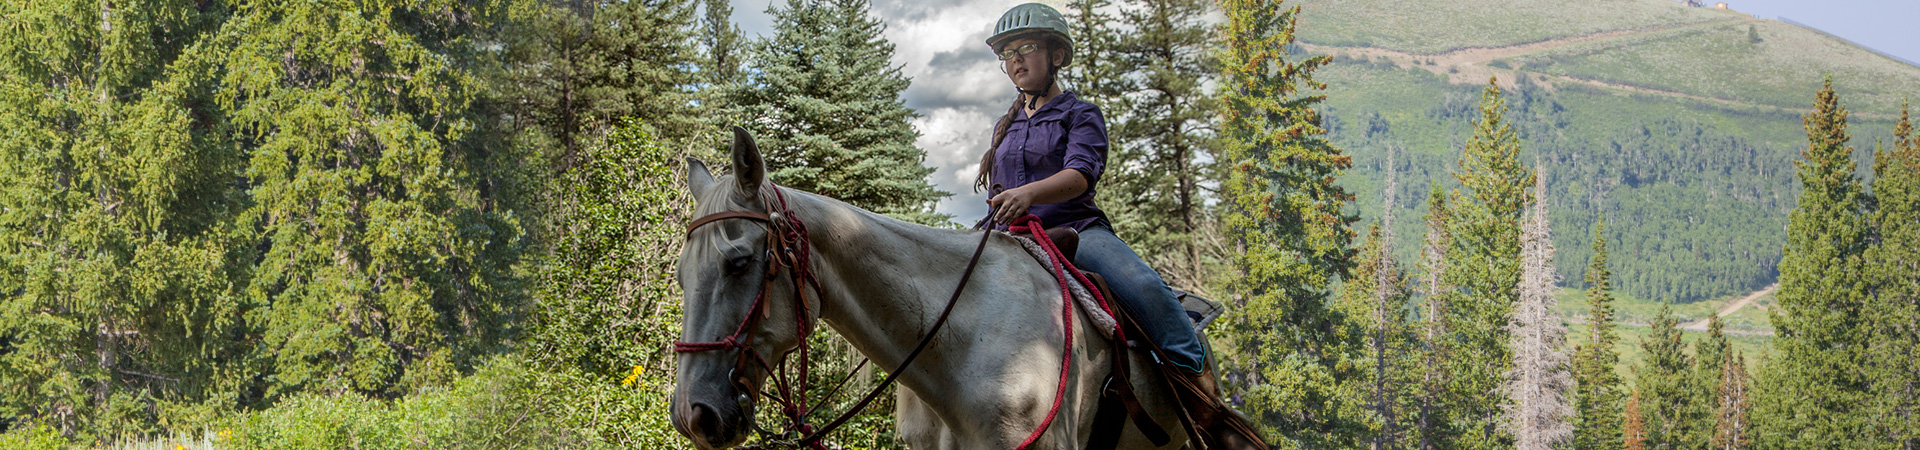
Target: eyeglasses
(1023, 50)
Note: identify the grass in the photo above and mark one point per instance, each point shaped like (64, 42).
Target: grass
(1719, 61)
(1634, 314)
(1440, 26)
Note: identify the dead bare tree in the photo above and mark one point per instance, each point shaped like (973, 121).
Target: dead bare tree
(1537, 385)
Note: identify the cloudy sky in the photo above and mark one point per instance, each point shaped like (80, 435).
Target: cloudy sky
(959, 92)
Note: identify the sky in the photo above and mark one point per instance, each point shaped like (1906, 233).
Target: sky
(959, 92)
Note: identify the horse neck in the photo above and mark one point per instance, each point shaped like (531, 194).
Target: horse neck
(884, 280)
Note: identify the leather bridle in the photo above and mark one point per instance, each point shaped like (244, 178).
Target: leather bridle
(789, 248)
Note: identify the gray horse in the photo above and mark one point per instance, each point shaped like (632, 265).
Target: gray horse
(985, 382)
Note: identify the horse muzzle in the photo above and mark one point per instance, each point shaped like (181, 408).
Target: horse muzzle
(721, 419)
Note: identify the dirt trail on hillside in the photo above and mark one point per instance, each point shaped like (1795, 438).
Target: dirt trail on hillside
(1732, 307)
(1469, 65)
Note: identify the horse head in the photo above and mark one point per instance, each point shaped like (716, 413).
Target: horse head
(742, 307)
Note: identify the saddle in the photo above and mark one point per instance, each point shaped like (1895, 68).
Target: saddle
(1209, 422)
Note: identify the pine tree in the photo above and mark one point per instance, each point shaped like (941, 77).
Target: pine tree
(1664, 384)
(118, 293)
(1893, 271)
(1372, 298)
(825, 105)
(1163, 160)
(1537, 385)
(1484, 265)
(1814, 394)
(386, 263)
(581, 66)
(1710, 361)
(1098, 75)
(1731, 426)
(1597, 397)
(720, 43)
(1281, 209)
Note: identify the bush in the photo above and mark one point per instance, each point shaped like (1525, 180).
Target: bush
(503, 405)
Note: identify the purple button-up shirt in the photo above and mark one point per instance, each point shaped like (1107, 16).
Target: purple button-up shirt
(1064, 134)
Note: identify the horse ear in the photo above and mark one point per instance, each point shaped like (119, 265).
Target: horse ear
(698, 177)
(749, 170)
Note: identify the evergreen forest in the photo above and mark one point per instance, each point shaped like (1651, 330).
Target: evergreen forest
(429, 224)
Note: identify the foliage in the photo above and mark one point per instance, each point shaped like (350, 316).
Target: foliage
(1598, 391)
(219, 204)
(824, 101)
(385, 266)
(608, 280)
(121, 271)
(1814, 395)
(1283, 213)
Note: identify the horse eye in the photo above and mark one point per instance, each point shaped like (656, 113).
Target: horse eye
(738, 265)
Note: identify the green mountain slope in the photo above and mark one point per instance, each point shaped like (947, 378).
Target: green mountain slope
(1670, 121)
(1437, 26)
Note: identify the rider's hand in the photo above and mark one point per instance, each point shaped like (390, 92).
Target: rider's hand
(1011, 204)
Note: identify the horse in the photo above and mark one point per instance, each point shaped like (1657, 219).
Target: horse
(987, 379)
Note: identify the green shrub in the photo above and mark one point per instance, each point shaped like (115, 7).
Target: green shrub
(35, 437)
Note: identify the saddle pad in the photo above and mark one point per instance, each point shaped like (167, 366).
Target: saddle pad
(1099, 316)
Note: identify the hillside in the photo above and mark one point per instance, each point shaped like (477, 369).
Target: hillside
(1671, 122)
(1441, 26)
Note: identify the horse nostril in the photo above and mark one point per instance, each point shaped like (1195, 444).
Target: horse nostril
(706, 420)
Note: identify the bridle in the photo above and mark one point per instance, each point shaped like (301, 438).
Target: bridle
(787, 248)
(790, 249)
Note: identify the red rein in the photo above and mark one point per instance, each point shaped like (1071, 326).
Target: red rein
(789, 246)
(1061, 266)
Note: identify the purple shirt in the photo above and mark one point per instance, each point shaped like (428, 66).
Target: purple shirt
(1064, 134)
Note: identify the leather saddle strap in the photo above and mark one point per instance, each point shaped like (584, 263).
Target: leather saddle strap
(1123, 383)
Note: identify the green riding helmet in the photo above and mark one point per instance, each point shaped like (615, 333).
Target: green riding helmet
(1028, 20)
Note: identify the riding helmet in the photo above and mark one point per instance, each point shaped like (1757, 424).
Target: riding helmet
(1028, 20)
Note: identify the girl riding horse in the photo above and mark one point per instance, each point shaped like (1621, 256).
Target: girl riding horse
(1048, 153)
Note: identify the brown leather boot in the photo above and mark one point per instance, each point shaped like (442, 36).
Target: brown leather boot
(1218, 426)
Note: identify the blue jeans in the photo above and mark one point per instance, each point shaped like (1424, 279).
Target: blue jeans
(1144, 294)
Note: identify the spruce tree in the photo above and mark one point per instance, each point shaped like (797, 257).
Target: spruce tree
(1814, 394)
(1536, 387)
(1598, 393)
(1484, 266)
(1281, 210)
(824, 100)
(1893, 271)
(1664, 384)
